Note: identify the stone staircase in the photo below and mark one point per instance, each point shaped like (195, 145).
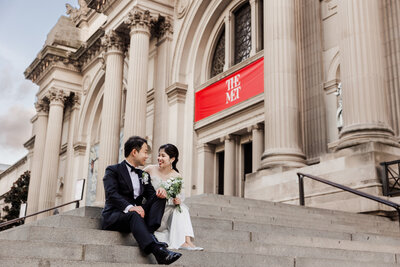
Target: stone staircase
(233, 231)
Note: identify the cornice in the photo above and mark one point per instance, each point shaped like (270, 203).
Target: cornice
(51, 56)
(30, 143)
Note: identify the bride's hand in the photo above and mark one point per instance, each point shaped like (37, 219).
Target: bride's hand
(177, 201)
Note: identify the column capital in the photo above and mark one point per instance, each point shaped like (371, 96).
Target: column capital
(138, 20)
(176, 93)
(56, 96)
(161, 27)
(42, 106)
(205, 147)
(258, 126)
(75, 101)
(228, 137)
(113, 41)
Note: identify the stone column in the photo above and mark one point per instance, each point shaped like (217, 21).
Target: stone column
(161, 127)
(362, 68)
(255, 26)
(282, 124)
(48, 185)
(136, 100)
(69, 181)
(257, 145)
(111, 112)
(205, 170)
(42, 109)
(229, 165)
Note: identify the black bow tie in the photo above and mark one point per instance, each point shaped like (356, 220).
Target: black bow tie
(133, 169)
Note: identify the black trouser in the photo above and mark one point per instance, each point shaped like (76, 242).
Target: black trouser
(141, 228)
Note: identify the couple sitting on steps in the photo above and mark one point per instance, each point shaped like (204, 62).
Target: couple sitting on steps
(136, 202)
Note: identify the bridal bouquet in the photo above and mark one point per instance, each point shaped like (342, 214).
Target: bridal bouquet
(173, 187)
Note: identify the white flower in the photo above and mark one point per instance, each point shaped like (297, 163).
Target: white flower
(145, 177)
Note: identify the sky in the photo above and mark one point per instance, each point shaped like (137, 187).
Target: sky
(24, 25)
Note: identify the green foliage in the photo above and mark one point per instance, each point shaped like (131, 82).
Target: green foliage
(17, 195)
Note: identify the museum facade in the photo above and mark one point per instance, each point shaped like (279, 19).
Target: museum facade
(250, 91)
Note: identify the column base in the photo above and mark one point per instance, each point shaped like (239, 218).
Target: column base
(359, 134)
(284, 159)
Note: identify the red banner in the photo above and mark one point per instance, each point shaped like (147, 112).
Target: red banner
(236, 88)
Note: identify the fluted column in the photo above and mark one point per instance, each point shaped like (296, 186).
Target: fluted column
(136, 99)
(111, 112)
(282, 125)
(42, 109)
(69, 181)
(229, 164)
(48, 185)
(365, 109)
(257, 132)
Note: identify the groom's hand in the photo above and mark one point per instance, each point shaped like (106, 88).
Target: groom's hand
(161, 193)
(138, 209)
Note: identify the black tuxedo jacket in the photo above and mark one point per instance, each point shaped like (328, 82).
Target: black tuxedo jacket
(119, 192)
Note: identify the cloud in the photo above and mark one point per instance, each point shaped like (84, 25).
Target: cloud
(15, 127)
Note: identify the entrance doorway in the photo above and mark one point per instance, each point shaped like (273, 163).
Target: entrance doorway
(220, 172)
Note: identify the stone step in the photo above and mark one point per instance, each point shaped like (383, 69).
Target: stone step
(241, 233)
(70, 235)
(213, 241)
(361, 221)
(73, 252)
(25, 262)
(294, 222)
(230, 201)
(249, 250)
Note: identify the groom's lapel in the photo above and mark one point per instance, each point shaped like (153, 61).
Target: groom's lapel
(125, 174)
(141, 181)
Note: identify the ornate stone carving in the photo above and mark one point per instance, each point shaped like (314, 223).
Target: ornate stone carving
(339, 111)
(78, 15)
(162, 26)
(56, 96)
(181, 6)
(138, 18)
(42, 106)
(113, 40)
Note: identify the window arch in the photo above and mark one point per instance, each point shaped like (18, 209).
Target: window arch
(242, 33)
(240, 38)
(218, 61)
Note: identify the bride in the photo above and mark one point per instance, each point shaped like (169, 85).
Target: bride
(176, 228)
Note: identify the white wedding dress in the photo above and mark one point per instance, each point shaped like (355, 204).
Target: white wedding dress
(175, 225)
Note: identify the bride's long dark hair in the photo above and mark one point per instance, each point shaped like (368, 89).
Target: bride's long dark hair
(172, 152)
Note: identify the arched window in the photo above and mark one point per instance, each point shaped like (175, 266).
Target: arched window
(242, 33)
(218, 61)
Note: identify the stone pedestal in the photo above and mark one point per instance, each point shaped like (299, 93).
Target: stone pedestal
(51, 153)
(282, 125)
(136, 99)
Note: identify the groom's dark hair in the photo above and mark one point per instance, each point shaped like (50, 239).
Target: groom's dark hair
(134, 142)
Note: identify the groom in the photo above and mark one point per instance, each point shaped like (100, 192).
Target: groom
(132, 204)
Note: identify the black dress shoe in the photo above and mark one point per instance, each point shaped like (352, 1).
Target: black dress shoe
(158, 242)
(165, 256)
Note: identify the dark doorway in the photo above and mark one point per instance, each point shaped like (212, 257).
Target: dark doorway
(220, 160)
(248, 159)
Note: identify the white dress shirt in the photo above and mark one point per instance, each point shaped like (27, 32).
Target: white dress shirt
(135, 184)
